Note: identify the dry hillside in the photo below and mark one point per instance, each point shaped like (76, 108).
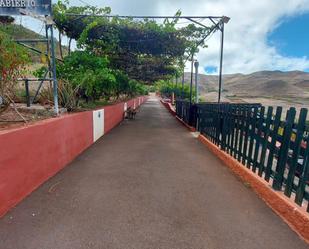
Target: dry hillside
(267, 87)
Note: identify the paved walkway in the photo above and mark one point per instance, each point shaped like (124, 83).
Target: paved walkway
(148, 184)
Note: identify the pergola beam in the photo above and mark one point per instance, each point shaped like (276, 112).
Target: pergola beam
(201, 24)
(147, 17)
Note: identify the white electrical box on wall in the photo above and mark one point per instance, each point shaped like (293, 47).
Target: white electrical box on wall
(125, 108)
(98, 124)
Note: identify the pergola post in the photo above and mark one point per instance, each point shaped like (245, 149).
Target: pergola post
(221, 62)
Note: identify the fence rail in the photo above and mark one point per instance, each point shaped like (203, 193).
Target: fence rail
(272, 146)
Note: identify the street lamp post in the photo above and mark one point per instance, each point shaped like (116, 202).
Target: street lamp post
(225, 20)
(191, 81)
(196, 65)
(183, 84)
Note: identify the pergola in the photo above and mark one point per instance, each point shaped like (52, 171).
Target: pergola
(218, 23)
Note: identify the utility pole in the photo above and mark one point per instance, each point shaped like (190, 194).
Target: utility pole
(196, 65)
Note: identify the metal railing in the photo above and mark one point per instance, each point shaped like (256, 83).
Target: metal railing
(183, 110)
(272, 146)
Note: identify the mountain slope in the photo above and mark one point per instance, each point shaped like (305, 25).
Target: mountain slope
(291, 87)
(266, 83)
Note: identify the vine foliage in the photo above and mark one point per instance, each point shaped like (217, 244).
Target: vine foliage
(145, 50)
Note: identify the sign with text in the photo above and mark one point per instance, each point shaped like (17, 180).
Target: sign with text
(17, 7)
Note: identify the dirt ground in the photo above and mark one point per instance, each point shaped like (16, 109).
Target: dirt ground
(10, 119)
(266, 101)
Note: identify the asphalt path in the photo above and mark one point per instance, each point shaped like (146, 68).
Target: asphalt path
(148, 184)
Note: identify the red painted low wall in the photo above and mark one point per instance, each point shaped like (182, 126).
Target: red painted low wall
(113, 115)
(31, 155)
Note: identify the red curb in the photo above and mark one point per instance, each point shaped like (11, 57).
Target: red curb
(190, 128)
(168, 106)
(293, 215)
(173, 112)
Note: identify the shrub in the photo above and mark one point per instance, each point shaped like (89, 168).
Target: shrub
(89, 73)
(13, 59)
(94, 79)
(166, 88)
(88, 77)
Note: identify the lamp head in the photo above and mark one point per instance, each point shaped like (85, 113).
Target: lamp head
(226, 19)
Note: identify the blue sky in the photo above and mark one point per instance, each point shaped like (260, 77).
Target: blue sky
(211, 69)
(291, 38)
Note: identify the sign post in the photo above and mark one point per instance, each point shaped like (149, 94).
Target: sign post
(41, 10)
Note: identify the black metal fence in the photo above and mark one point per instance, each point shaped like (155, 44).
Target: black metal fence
(183, 110)
(187, 112)
(272, 146)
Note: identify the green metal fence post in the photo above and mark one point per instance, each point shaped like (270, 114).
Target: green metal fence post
(246, 131)
(284, 149)
(257, 135)
(272, 146)
(265, 140)
(296, 150)
(253, 124)
(304, 177)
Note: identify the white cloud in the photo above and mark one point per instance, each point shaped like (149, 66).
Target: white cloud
(246, 47)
